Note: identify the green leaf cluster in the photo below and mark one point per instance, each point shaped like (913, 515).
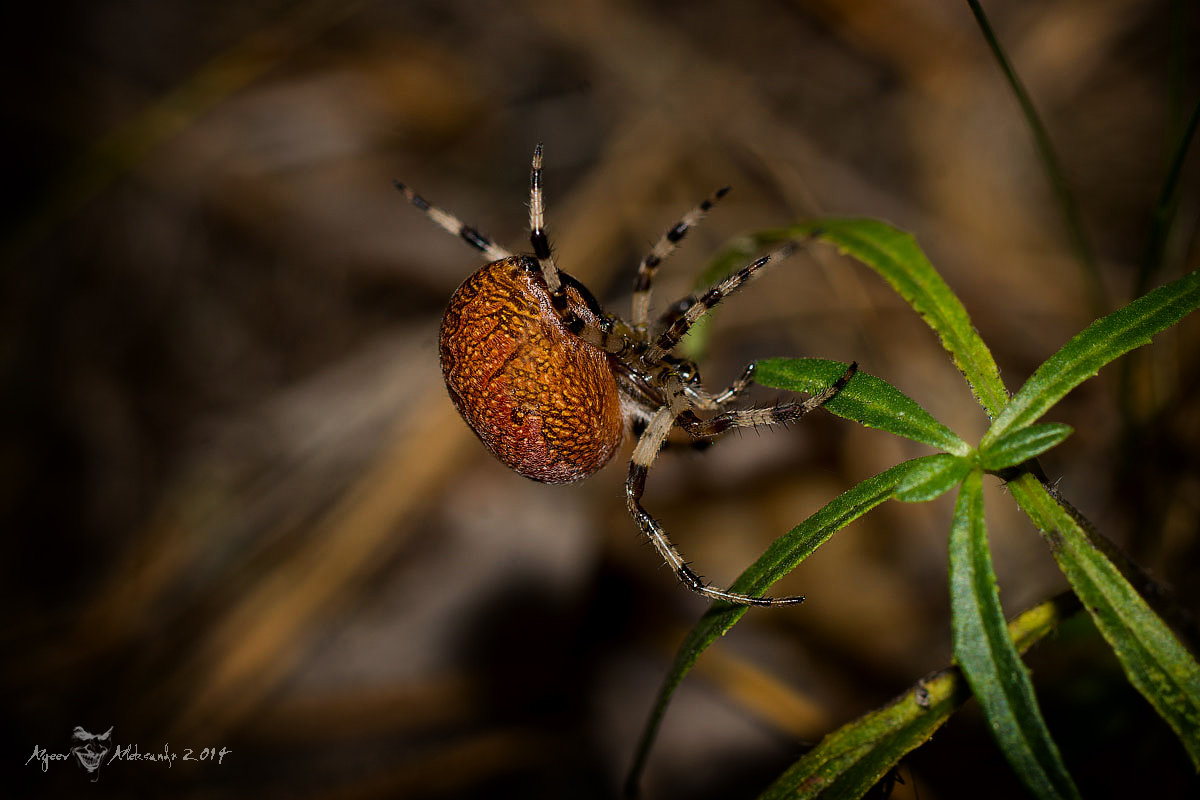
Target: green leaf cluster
(987, 649)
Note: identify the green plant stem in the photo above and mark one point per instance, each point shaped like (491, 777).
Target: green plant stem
(1050, 162)
(1164, 209)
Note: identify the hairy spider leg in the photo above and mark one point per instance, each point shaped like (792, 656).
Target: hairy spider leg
(780, 414)
(699, 305)
(664, 247)
(609, 334)
(635, 485)
(454, 225)
(699, 399)
(735, 389)
(715, 402)
(537, 220)
(651, 441)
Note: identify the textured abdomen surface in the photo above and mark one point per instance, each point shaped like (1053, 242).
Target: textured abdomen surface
(542, 400)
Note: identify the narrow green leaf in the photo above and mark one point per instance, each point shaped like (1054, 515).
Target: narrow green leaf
(1101, 342)
(895, 255)
(938, 475)
(1168, 202)
(852, 759)
(1154, 660)
(1041, 139)
(1021, 445)
(986, 654)
(780, 558)
(868, 400)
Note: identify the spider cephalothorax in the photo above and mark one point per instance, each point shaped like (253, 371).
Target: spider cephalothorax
(549, 382)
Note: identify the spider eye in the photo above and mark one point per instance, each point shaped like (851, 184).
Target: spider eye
(689, 372)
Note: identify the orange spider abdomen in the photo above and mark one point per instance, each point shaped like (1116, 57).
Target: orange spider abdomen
(544, 401)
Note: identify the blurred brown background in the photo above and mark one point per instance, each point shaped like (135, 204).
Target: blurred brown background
(240, 511)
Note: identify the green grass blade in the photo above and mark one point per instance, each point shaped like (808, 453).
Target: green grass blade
(852, 759)
(868, 400)
(1066, 201)
(780, 558)
(987, 657)
(1020, 445)
(895, 255)
(1154, 660)
(1165, 208)
(1101, 342)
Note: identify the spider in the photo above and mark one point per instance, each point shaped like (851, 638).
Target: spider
(549, 382)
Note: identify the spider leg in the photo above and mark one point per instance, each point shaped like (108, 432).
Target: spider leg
(454, 225)
(608, 333)
(732, 392)
(781, 414)
(644, 452)
(663, 248)
(537, 219)
(698, 306)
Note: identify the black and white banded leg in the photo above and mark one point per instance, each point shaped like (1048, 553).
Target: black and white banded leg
(614, 338)
(663, 248)
(702, 304)
(537, 222)
(735, 389)
(698, 400)
(781, 414)
(454, 225)
(644, 453)
(608, 334)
